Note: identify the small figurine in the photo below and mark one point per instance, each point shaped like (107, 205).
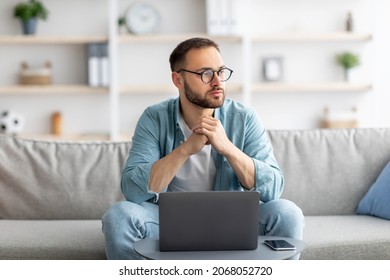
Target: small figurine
(349, 22)
(56, 123)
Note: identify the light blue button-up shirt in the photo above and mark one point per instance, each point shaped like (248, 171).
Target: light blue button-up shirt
(158, 133)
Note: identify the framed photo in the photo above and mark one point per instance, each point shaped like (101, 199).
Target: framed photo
(273, 69)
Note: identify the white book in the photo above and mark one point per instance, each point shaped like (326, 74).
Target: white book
(104, 66)
(223, 17)
(212, 17)
(233, 16)
(93, 65)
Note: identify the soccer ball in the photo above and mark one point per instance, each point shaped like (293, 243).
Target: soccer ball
(11, 122)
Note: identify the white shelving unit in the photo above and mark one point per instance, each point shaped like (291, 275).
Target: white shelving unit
(163, 38)
(118, 89)
(54, 89)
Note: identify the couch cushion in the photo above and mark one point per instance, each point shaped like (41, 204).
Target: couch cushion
(377, 200)
(346, 237)
(61, 240)
(328, 171)
(59, 180)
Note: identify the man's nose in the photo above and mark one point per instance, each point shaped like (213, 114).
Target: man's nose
(216, 80)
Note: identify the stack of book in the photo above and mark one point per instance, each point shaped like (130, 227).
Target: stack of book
(222, 17)
(98, 65)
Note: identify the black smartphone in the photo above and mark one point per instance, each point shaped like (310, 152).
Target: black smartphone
(279, 245)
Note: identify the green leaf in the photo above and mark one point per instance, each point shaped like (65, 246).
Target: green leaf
(31, 9)
(348, 60)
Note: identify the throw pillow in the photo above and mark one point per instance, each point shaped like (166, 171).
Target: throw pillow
(376, 201)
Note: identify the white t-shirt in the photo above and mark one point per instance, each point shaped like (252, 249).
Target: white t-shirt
(198, 171)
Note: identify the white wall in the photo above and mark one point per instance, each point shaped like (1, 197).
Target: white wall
(148, 63)
(311, 61)
(381, 92)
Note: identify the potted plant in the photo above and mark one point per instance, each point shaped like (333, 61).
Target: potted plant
(121, 25)
(28, 13)
(347, 60)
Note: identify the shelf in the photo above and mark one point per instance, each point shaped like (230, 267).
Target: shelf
(313, 37)
(165, 89)
(243, 49)
(42, 40)
(258, 87)
(174, 38)
(311, 87)
(147, 89)
(75, 137)
(66, 137)
(51, 89)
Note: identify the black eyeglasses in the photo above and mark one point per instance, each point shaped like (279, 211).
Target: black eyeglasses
(207, 75)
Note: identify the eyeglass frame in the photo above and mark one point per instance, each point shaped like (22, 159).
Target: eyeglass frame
(209, 69)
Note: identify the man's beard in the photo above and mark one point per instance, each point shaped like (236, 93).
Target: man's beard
(206, 101)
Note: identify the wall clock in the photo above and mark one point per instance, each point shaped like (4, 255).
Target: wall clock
(142, 18)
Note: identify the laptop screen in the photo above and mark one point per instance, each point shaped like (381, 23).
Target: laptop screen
(215, 220)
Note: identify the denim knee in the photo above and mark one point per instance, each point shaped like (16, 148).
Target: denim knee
(128, 211)
(125, 223)
(117, 212)
(282, 217)
(288, 209)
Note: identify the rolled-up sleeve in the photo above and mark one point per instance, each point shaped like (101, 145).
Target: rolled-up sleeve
(144, 152)
(269, 179)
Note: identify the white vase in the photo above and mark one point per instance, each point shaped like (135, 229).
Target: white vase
(347, 75)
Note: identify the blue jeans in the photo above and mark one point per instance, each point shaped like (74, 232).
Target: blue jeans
(126, 222)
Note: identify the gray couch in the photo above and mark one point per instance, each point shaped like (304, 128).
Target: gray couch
(52, 195)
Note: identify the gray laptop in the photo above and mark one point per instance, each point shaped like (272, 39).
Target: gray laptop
(209, 221)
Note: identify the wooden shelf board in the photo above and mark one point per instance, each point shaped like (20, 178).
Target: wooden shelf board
(173, 38)
(165, 89)
(51, 89)
(313, 37)
(147, 89)
(168, 38)
(169, 89)
(67, 137)
(128, 38)
(311, 87)
(38, 40)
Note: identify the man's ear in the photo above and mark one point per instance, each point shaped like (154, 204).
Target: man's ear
(177, 79)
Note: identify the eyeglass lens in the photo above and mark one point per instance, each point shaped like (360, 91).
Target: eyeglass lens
(223, 74)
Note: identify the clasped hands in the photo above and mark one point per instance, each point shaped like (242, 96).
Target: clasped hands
(208, 130)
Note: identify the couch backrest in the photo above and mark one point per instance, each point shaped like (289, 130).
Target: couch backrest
(58, 180)
(327, 172)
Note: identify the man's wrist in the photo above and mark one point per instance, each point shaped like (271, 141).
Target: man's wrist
(248, 189)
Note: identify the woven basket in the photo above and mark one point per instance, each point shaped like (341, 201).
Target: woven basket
(41, 76)
(35, 80)
(340, 124)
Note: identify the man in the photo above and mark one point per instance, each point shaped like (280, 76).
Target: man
(197, 142)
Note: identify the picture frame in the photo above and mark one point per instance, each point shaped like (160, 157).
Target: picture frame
(273, 69)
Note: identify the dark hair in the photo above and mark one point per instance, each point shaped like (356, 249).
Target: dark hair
(177, 57)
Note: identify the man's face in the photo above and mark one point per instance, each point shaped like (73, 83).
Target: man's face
(206, 95)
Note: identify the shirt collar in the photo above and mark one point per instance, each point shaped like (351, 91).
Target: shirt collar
(177, 111)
